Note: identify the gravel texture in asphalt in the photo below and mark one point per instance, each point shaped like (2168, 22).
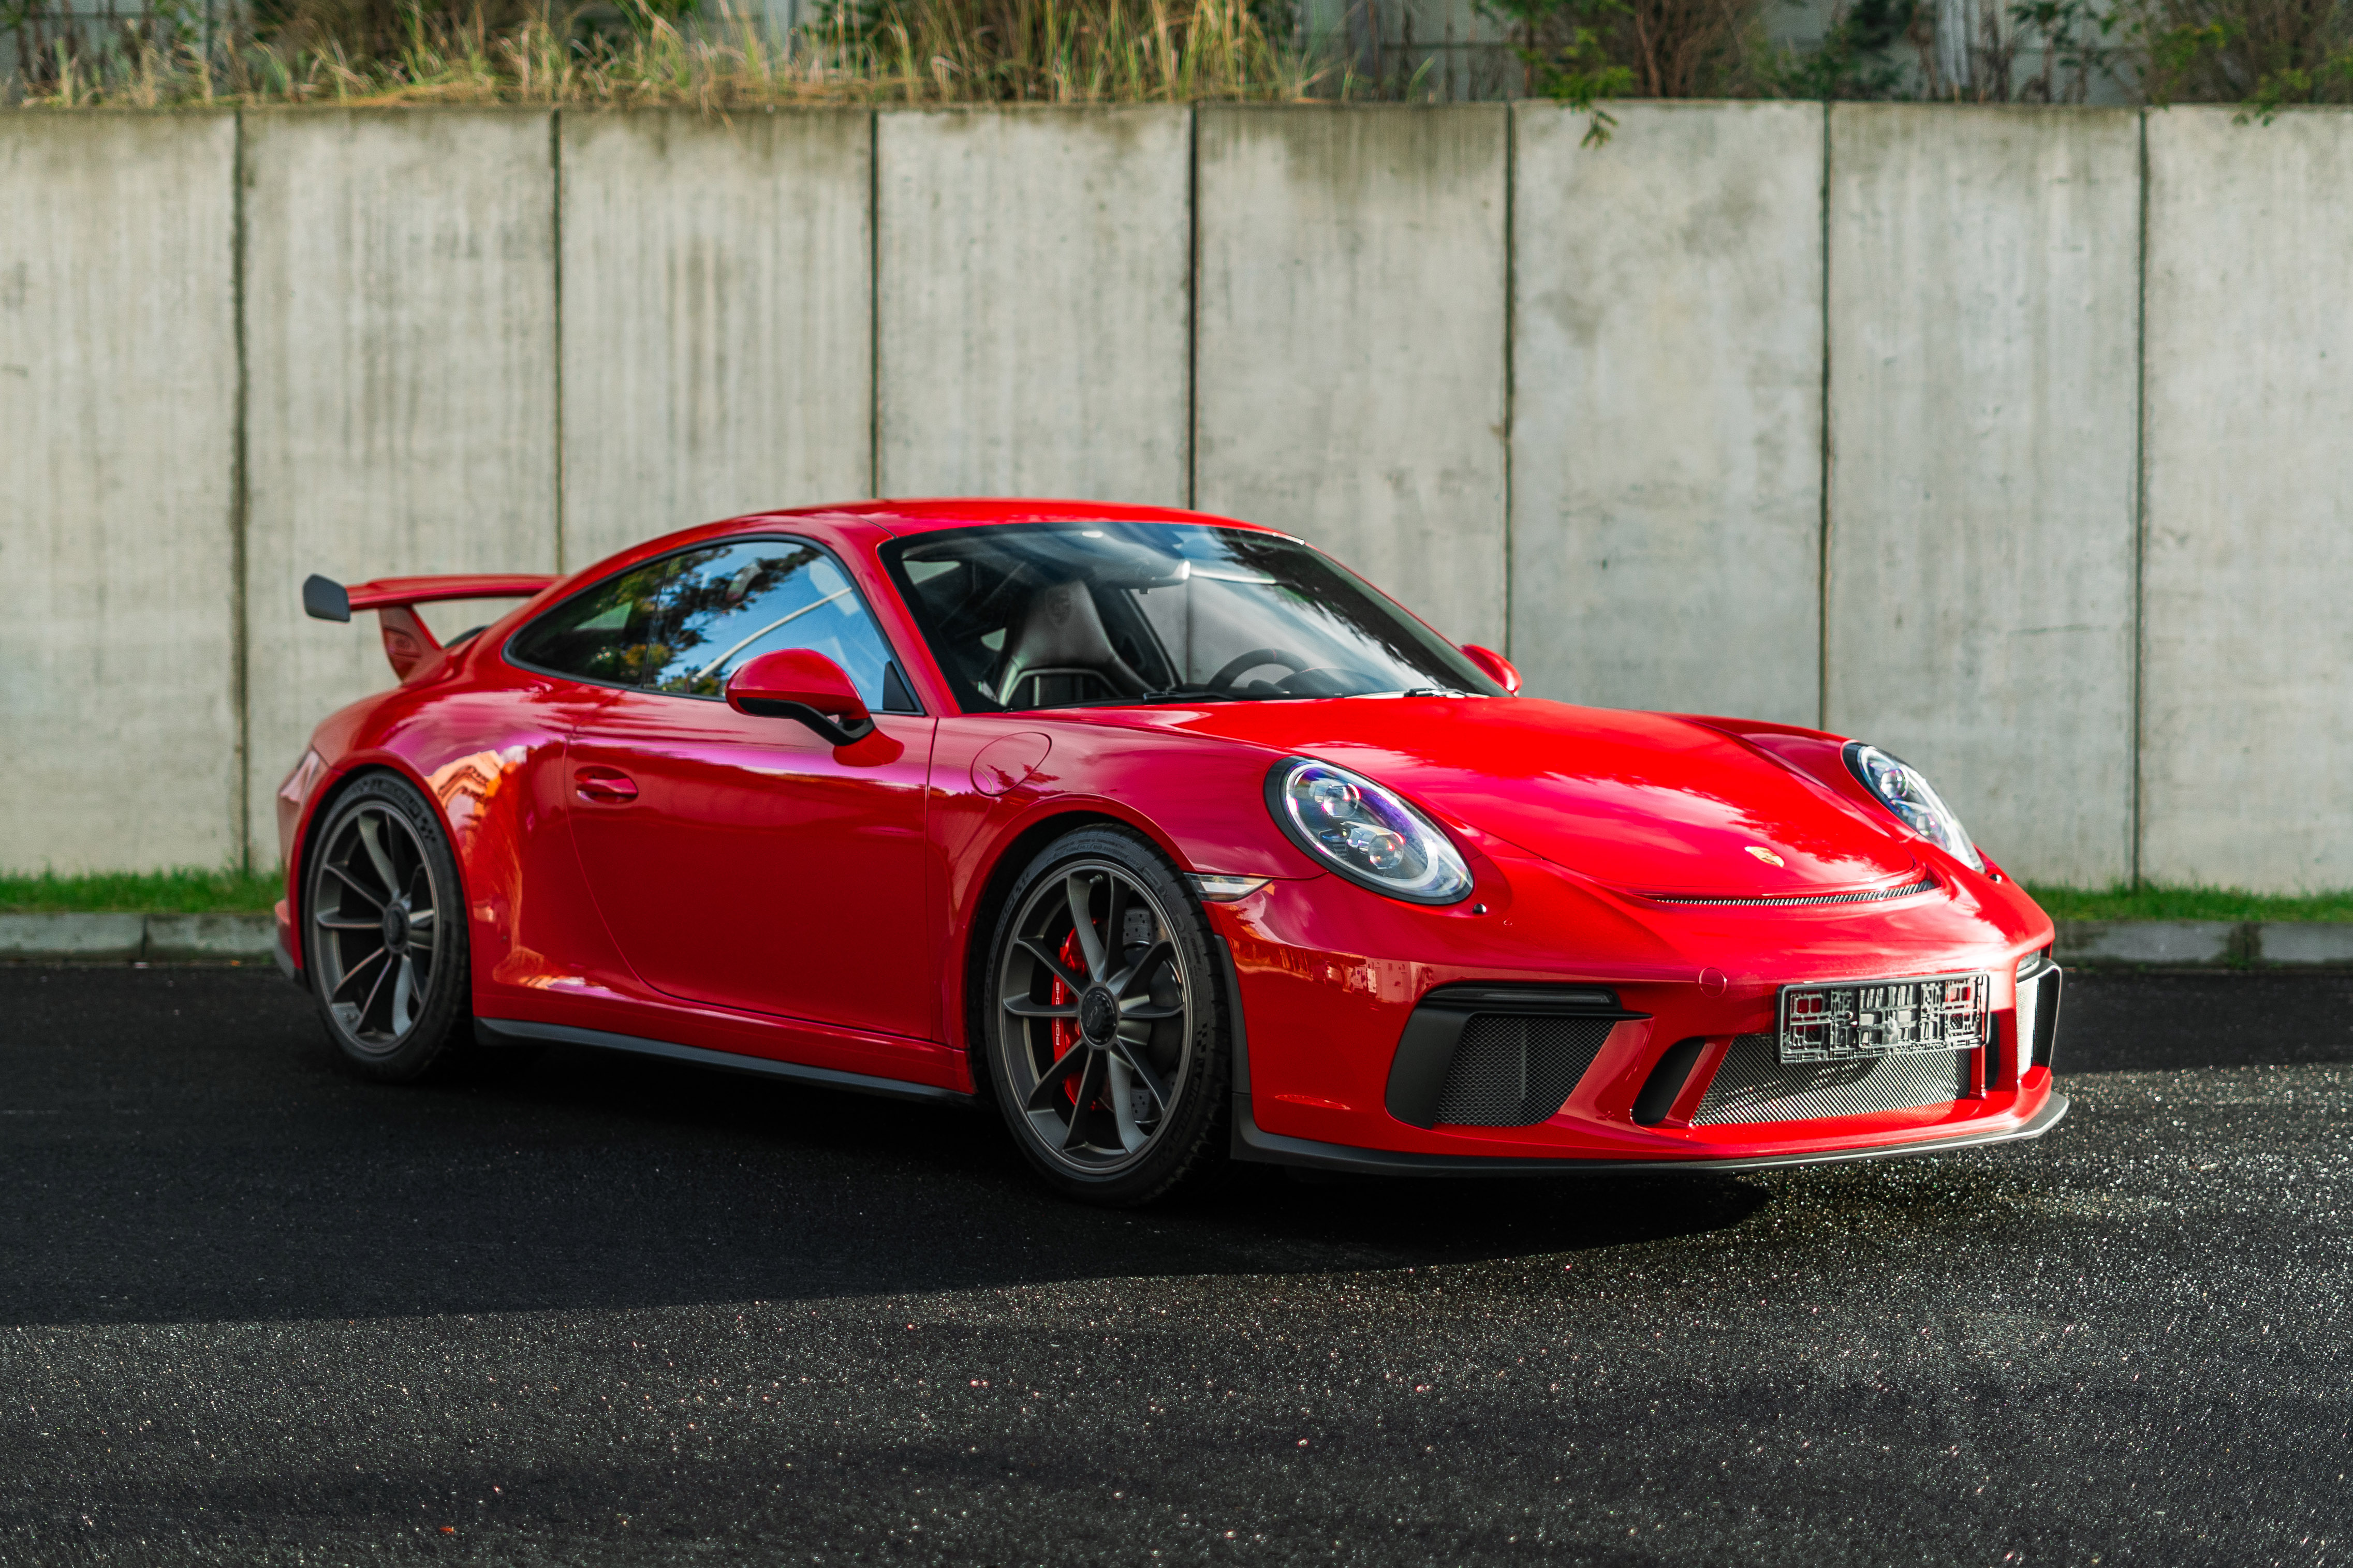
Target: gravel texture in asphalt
(584, 1310)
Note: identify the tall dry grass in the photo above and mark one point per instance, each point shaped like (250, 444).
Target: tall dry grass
(879, 51)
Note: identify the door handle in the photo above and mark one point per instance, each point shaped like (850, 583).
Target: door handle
(605, 786)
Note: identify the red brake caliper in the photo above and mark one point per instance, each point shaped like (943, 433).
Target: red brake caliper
(1066, 1030)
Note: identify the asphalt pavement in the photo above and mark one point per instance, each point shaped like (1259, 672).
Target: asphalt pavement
(583, 1309)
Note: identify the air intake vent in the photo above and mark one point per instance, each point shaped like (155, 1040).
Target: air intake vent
(1755, 1085)
(1785, 900)
(1498, 1056)
(1515, 1072)
(2038, 1012)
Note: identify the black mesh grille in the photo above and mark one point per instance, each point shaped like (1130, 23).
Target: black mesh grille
(1755, 1085)
(1877, 895)
(1515, 1072)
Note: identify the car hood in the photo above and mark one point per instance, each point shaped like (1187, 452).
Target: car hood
(1644, 802)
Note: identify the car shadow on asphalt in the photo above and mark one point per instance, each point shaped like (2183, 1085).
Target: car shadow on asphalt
(181, 1146)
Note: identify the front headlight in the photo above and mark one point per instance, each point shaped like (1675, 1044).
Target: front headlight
(1901, 790)
(1365, 833)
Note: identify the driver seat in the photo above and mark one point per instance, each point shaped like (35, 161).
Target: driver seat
(1061, 653)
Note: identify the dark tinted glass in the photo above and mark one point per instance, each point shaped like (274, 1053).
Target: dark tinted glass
(1047, 615)
(683, 623)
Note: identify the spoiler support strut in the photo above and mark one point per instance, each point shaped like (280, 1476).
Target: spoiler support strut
(408, 643)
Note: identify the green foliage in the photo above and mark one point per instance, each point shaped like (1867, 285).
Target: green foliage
(1585, 52)
(1563, 44)
(2075, 38)
(1883, 49)
(1854, 60)
(188, 891)
(2148, 901)
(2264, 55)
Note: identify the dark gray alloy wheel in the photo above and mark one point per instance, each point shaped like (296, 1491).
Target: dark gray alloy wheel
(1105, 1022)
(385, 931)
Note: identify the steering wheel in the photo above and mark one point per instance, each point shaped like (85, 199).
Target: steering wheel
(1234, 669)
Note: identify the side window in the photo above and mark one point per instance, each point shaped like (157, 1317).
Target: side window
(684, 622)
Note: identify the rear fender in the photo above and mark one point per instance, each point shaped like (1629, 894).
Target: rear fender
(339, 778)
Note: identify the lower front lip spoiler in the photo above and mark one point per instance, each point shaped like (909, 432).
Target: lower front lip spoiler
(1274, 1149)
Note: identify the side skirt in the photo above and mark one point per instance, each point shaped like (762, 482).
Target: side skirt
(285, 962)
(518, 1031)
(1274, 1149)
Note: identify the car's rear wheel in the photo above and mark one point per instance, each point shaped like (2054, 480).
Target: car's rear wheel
(1104, 1033)
(385, 931)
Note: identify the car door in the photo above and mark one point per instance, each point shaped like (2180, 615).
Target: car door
(744, 862)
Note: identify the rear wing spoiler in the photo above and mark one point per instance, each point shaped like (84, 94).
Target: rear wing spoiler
(408, 642)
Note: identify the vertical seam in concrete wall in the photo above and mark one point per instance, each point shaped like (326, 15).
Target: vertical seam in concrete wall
(1822, 572)
(1192, 305)
(1511, 371)
(2140, 509)
(240, 502)
(556, 245)
(874, 302)
(556, 267)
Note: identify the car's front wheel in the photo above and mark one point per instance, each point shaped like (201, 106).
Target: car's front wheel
(1104, 1031)
(385, 931)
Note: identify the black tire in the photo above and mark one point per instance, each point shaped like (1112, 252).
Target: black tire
(384, 931)
(1142, 1106)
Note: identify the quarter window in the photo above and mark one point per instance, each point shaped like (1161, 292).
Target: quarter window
(682, 624)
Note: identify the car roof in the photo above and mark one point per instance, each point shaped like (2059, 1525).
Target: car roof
(931, 515)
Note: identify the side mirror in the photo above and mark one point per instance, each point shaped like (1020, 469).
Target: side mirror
(1495, 666)
(801, 684)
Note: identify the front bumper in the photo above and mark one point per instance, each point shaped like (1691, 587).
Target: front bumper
(1326, 1070)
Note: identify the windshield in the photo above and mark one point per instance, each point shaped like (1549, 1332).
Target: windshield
(1083, 613)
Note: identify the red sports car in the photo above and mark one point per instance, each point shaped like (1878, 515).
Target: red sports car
(1164, 834)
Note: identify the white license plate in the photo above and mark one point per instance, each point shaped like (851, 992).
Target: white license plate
(1883, 1017)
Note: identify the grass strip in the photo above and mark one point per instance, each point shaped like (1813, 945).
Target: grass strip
(189, 890)
(2151, 902)
(193, 890)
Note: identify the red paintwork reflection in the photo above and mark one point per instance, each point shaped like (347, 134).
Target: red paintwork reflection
(667, 868)
(757, 867)
(1640, 801)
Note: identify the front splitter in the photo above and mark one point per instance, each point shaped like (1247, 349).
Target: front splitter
(1274, 1149)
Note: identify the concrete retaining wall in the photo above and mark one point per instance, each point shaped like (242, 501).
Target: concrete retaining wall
(1576, 401)
(1350, 360)
(717, 309)
(1031, 314)
(117, 395)
(400, 332)
(1667, 408)
(1984, 324)
(2247, 726)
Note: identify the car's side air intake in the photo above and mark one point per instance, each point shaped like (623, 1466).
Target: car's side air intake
(1491, 1055)
(1516, 1071)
